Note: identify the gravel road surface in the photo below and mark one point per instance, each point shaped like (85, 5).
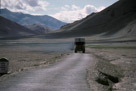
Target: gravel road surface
(67, 75)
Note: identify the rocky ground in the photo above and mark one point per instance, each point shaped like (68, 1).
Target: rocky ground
(114, 69)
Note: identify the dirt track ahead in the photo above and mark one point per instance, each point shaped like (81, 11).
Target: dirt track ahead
(67, 75)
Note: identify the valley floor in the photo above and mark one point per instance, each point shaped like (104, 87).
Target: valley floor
(112, 68)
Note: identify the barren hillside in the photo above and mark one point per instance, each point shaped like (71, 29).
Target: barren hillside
(12, 29)
(118, 20)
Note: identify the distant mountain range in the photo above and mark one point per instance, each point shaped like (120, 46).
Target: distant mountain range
(117, 20)
(9, 29)
(26, 19)
(40, 29)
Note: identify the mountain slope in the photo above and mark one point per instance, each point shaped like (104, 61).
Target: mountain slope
(40, 29)
(25, 19)
(107, 22)
(12, 29)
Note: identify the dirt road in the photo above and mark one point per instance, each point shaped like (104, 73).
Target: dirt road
(67, 75)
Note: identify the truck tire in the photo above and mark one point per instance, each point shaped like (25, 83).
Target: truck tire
(83, 51)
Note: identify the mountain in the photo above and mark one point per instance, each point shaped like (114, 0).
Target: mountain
(70, 26)
(40, 29)
(118, 19)
(25, 19)
(10, 29)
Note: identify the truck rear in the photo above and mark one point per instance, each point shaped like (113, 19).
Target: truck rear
(79, 45)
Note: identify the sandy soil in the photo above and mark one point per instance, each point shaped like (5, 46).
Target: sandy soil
(116, 62)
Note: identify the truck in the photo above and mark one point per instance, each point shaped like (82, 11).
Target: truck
(79, 45)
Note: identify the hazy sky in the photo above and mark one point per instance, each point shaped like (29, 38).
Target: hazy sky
(64, 10)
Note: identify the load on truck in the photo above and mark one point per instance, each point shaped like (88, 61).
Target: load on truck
(79, 45)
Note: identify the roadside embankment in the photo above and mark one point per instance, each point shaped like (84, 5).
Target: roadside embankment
(114, 70)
